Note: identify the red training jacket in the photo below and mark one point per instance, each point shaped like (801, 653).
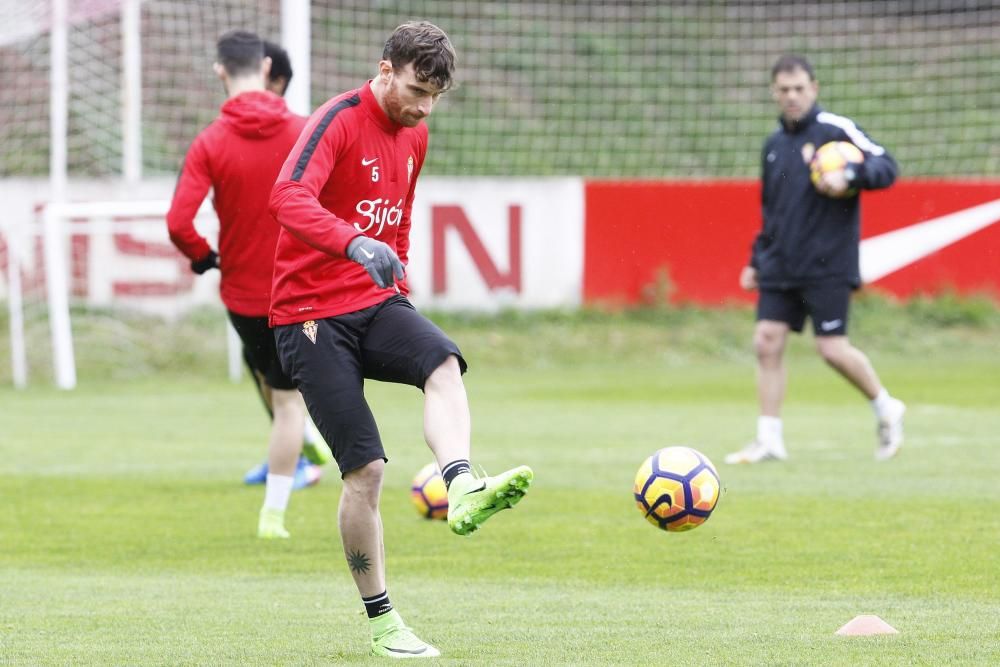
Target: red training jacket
(238, 155)
(352, 172)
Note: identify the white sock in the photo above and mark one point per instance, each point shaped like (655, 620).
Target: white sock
(279, 489)
(462, 481)
(881, 402)
(769, 430)
(311, 433)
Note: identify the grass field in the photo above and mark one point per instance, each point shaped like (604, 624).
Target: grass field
(127, 538)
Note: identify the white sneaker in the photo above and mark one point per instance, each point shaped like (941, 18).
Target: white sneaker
(756, 452)
(890, 431)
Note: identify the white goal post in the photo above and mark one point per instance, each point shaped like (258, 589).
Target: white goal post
(121, 256)
(102, 43)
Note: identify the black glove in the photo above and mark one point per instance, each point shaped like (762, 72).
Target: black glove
(379, 260)
(209, 261)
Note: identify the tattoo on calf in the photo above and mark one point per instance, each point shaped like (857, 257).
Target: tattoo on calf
(359, 562)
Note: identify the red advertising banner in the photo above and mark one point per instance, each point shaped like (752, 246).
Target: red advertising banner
(935, 235)
(645, 240)
(541, 243)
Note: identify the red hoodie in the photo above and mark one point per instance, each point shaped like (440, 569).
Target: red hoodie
(239, 156)
(352, 172)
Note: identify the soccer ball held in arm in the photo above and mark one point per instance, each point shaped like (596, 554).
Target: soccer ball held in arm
(836, 156)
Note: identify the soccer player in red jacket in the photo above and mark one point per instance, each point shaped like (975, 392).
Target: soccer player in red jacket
(315, 451)
(238, 156)
(340, 312)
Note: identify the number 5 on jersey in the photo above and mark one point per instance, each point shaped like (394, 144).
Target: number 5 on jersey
(371, 161)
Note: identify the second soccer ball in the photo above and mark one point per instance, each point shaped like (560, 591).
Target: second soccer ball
(835, 156)
(429, 493)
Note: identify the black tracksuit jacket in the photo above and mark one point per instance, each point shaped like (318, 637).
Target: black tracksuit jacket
(809, 239)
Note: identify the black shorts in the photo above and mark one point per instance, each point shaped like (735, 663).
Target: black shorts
(826, 305)
(330, 359)
(259, 351)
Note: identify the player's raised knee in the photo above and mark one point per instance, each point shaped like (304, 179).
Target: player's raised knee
(448, 372)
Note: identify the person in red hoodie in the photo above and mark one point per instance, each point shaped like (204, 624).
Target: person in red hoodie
(238, 156)
(341, 316)
(315, 451)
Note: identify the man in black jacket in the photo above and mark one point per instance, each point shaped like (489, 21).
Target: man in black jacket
(805, 259)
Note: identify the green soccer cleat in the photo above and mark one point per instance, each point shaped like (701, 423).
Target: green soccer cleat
(474, 501)
(317, 453)
(271, 525)
(391, 638)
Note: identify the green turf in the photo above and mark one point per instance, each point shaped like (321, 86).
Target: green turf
(127, 538)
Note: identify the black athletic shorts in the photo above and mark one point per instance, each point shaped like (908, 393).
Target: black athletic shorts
(259, 351)
(330, 359)
(826, 305)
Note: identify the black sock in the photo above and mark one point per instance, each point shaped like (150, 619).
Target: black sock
(377, 605)
(453, 470)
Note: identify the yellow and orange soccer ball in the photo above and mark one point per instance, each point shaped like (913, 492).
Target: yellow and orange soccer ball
(429, 493)
(677, 488)
(835, 156)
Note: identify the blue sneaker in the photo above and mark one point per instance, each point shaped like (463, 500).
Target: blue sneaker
(256, 475)
(306, 474)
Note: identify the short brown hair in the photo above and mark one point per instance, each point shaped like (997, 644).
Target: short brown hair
(790, 63)
(427, 47)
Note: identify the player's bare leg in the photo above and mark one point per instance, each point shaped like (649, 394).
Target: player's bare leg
(361, 534)
(447, 429)
(850, 362)
(447, 424)
(283, 452)
(361, 527)
(315, 451)
(286, 431)
(769, 340)
(855, 367)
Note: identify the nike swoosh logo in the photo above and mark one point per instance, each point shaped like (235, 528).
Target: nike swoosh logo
(829, 325)
(892, 251)
(481, 488)
(408, 652)
(367, 253)
(664, 498)
(365, 163)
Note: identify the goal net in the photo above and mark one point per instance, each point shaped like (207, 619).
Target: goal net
(592, 88)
